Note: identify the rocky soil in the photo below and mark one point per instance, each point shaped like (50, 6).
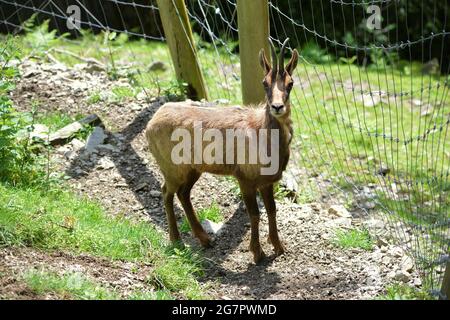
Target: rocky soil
(118, 171)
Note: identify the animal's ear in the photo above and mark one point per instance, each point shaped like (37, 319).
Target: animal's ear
(292, 64)
(264, 62)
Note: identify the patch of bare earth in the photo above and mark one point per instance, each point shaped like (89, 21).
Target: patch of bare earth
(123, 177)
(124, 278)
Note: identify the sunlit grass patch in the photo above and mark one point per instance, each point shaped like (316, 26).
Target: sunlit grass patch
(353, 238)
(73, 286)
(404, 292)
(211, 213)
(76, 286)
(59, 220)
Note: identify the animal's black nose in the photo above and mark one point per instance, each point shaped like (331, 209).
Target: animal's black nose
(277, 107)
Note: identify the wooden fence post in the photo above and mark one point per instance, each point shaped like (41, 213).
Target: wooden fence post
(445, 290)
(253, 23)
(179, 37)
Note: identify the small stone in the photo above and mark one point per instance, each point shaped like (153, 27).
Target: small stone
(70, 155)
(339, 222)
(211, 227)
(383, 171)
(417, 282)
(141, 186)
(386, 260)
(340, 211)
(222, 101)
(316, 206)
(382, 242)
(155, 193)
(402, 276)
(369, 205)
(407, 264)
(40, 132)
(105, 164)
(77, 144)
(396, 252)
(157, 66)
(136, 107)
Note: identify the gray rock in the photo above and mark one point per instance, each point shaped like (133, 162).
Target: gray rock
(63, 134)
(211, 227)
(77, 145)
(340, 211)
(369, 205)
(136, 107)
(157, 66)
(222, 101)
(155, 193)
(402, 276)
(406, 264)
(96, 138)
(40, 132)
(105, 164)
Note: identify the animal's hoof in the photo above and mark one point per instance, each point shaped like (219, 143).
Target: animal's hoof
(205, 241)
(178, 244)
(279, 250)
(259, 256)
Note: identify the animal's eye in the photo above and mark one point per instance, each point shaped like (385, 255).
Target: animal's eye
(265, 83)
(290, 85)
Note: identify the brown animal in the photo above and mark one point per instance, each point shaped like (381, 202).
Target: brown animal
(181, 177)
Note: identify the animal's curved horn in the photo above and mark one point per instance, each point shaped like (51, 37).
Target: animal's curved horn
(274, 57)
(281, 60)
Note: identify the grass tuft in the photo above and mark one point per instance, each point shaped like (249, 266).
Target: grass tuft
(404, 292)
(211, 213)
(353, 238)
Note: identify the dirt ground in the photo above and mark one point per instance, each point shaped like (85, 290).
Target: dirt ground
(123, 177)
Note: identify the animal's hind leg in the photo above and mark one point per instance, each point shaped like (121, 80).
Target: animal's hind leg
(184, 195)
(168, 193)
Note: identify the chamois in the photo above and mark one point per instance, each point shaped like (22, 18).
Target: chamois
(271, 116)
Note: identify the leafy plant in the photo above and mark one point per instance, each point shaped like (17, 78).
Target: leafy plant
(17, 161)
(314, 54)
(38, 36)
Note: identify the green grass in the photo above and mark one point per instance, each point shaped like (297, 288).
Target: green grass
(353, 238)
(58, 220)
(122, 93)
(72, 286)
(76, 286)
(211, 213)
(56, 120)
(404, 292)
(95, 97)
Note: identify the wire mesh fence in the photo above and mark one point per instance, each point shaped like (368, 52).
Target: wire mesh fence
(371, 107)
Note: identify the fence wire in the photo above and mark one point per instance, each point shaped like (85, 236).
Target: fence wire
(371, 122)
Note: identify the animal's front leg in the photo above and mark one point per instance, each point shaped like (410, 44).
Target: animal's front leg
(249, 195)
(269, 203)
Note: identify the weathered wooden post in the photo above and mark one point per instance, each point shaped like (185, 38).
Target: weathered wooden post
(179, 37)
(445, 290)
(253, 23)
